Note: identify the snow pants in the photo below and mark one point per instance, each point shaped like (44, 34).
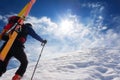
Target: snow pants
(16, 51)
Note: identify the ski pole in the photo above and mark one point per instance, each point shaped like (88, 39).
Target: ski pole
(37, 61)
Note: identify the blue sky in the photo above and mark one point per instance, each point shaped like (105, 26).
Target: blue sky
(69, 25)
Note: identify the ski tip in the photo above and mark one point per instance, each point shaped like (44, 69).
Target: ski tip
(33, 1)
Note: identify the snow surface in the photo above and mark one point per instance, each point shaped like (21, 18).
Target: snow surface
(89, 64)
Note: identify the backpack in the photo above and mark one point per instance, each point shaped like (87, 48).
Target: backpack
(11, 21)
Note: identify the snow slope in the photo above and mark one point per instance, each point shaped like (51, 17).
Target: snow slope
(89, 64)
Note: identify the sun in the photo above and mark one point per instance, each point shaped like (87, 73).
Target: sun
(66, 26)
(66, 23)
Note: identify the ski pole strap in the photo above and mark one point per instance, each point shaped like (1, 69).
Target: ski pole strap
(11, 28)
(42, 44)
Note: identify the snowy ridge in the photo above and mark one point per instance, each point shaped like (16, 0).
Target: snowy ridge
(97, 64)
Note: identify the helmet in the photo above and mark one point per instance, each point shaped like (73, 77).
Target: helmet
(28, 25)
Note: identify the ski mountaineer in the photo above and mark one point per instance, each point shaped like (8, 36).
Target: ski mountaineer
(17, 49)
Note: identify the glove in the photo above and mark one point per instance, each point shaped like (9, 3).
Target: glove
(44, 41)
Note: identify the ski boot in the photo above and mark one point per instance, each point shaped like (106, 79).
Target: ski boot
(16, 77)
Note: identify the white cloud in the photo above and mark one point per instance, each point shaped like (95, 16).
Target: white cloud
(100, 17)
(102, 8)
(71, 34)
(93, 5)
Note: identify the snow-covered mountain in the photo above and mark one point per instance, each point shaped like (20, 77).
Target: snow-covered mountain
(89, 64)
